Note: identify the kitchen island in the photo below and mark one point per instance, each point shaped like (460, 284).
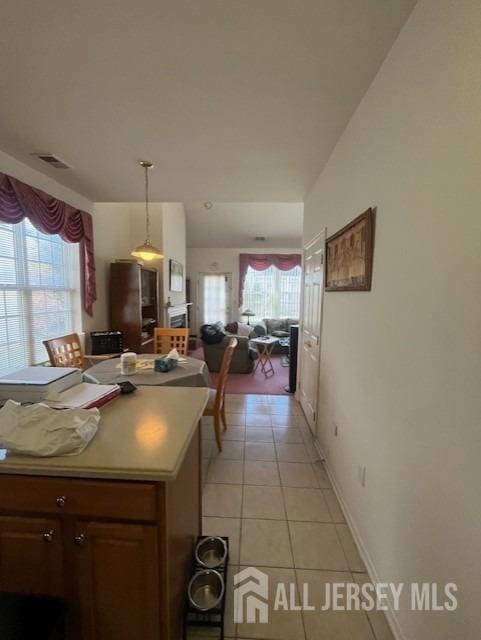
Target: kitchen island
(111, 530)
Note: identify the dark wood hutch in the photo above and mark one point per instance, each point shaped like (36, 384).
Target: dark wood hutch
(134, 304)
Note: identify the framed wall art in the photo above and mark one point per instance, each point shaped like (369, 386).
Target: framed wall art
(349, 255)
(176, 272)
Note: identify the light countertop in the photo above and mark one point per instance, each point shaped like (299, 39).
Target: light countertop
(141, 436)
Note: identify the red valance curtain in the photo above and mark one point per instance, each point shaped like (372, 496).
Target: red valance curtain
(261, 262)
(49, 215)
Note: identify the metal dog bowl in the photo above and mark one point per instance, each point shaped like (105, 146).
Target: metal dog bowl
(211, 552)
(206, 589)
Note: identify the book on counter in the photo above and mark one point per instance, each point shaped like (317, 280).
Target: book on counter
(59, 387)
(84, 396)
(36, 384)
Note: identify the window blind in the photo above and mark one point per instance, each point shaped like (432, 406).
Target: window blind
(37, 284)
(273, 293)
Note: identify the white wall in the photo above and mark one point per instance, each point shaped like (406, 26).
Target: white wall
(219, 261)
(400, 372)
(118, 228)
(113, 238)
(174, 242)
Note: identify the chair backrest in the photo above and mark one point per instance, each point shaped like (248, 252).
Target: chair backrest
(65, 351)
(167, 339)
(224, 372)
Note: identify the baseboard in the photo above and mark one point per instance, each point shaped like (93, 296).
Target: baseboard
(371, 569)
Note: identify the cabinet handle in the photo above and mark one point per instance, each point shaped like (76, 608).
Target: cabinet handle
(79, 540)
(61, 501)
(48, 536)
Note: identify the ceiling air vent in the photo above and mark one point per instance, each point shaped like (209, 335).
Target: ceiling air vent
(52, 160)
(260, 239)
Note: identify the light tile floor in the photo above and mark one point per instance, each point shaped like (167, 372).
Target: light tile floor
(269, 493)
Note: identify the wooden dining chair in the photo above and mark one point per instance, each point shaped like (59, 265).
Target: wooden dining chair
(167, 339)
(66, 351)
(216, 404)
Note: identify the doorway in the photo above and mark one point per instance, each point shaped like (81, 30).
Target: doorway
(215, 294)
(310, 330)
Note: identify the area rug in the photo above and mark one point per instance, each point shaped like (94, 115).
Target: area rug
(253, 382)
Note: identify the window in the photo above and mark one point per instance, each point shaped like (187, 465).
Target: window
(215, 295)
(38, 293)
(273, 293)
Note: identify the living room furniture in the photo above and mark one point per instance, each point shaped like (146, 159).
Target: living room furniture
(191, 373)
(166, 339)
(66, 351)
(216, 404)
(243, 359)
(264, 348)
(134, 304)
(277, 327)
(112, 530)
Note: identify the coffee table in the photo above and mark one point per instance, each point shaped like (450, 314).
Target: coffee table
(264, 347)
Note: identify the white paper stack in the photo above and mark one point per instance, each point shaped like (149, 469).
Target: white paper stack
(84, 396)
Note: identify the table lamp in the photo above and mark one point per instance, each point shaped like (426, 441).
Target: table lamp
(249, 314)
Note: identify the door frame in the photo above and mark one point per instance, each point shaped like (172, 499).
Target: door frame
(199, 297)
(321, 235)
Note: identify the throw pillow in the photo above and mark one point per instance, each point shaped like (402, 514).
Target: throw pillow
(243, 329)
(232, 327)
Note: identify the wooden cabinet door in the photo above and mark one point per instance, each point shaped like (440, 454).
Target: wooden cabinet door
(31, 557)
(117, 573)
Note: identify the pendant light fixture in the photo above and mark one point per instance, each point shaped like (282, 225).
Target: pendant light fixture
(147, 251)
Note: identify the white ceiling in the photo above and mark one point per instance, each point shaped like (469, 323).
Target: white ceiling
(233, 100)
(235, 225)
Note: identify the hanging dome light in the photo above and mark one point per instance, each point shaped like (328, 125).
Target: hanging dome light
(147, 251)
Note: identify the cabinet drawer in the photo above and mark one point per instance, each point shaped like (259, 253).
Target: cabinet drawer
(101, 499)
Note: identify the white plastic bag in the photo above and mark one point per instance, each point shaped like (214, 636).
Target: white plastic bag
(38, 430)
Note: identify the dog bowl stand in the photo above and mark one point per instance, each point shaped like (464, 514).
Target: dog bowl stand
(214, 618)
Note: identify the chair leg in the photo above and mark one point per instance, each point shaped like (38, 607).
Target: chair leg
(217, 431)
(222, 413)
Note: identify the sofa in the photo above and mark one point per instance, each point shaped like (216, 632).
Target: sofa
(242, 361)
(277, 327)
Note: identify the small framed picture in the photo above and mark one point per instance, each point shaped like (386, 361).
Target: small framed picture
(176, 273)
